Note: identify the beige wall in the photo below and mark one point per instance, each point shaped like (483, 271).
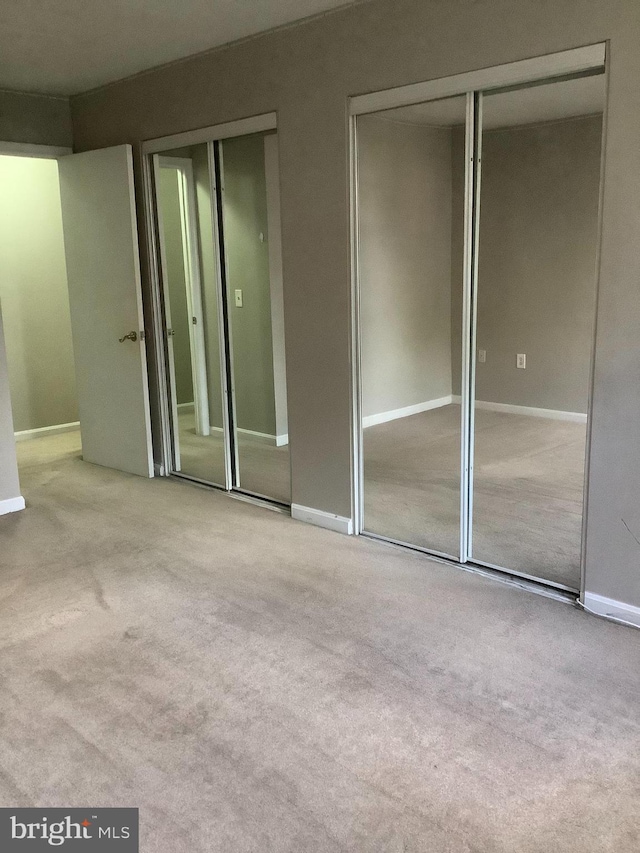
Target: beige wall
(306, 73)
(35, 119)
(274, 237)
(537, 261)
(34, 295)
(404, 204)
(457, 254)
(538, 238)
(536, 276)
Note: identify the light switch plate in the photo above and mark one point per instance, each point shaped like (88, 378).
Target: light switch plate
(521, 360)
(238, 294)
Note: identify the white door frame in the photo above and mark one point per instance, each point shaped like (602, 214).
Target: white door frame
(472, 85)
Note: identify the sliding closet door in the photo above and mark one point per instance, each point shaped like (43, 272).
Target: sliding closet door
(250, 229)
(410, 198)
(189, 272)
(535, 323)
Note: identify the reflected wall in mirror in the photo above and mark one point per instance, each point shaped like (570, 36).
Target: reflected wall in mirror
(540, 184)
(218, 211)
(189, 277)
(411, 167)
(252, 246)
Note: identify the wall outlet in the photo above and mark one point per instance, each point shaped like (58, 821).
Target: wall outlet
(238, 294)
(482, 356)
(521, 360)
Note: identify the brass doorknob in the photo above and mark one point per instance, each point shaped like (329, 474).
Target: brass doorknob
(132, 336)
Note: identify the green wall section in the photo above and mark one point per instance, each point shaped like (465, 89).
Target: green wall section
(34, 296)
(404, 202)
(245, 219)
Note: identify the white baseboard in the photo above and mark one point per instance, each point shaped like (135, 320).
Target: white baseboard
(618, 611)
(531, 411)
(405, 411)
(12, 505)
(262, 437)
(184, 407)
(56, 429)
(339, 523)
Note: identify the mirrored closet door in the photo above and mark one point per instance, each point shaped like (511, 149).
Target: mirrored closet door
(477, 229)
(191, 312)
(411, 187)
(535, 302)
(248, 172)
(220, 274)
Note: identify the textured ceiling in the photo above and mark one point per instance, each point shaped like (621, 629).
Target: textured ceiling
(68, 46)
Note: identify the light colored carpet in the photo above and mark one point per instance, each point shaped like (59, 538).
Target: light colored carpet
(264, 468)
(527, 495)
(255, 684)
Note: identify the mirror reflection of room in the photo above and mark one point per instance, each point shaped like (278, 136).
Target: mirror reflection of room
(251, 227)
(541, 153)
(194, 222)
(535, 301)
(189, 276)
(411, 219)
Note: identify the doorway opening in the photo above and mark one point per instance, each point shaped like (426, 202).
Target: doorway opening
(34, 300)
(71, 296)
(220, 324)
(476, 215)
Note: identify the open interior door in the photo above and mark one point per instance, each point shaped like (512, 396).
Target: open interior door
(105, 298)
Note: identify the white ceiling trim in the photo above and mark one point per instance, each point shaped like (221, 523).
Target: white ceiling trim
(511, 74)
(242, 127)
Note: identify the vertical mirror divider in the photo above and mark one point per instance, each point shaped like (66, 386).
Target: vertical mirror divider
(167, 323)
(223, 325)
(473, 313)
(466, 435)
(160, 346)
(357, 508)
